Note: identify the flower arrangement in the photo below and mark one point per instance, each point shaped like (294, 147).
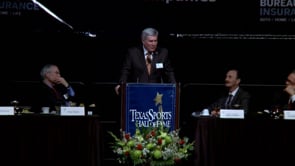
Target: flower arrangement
(155, 146)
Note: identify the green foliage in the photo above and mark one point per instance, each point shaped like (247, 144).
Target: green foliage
(153, 146)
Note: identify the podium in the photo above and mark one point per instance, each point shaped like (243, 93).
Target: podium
(149, 105)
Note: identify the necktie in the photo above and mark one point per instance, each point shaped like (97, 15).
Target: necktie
(290, 104)
(148, 62)
(228, 101)
(58, 97)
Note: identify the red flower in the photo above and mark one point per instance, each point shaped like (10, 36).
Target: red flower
(153, 133)
(126, 153)
(139, 147)
(160, 141)
(147, 136)
(181, 142)
(127, 136)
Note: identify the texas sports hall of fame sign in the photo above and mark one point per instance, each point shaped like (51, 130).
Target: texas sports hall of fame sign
(149, 105)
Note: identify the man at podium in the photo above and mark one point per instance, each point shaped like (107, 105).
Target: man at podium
(147, 63)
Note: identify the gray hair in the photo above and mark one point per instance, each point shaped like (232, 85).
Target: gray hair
(149, 32)
(45, 69)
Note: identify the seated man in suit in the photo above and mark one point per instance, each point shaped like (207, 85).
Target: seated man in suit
(234, 98)
(285, 99)
(54, 91)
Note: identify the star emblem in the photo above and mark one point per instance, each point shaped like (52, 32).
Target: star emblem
(158, 99)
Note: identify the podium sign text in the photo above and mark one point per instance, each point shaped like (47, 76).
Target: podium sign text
(149, 105)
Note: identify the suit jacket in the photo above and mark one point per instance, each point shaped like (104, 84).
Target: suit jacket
(281, 101)
(48, 97)
(240, 101)
(134, 67)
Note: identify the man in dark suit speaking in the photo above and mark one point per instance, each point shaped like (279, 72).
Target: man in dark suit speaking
(147, 63)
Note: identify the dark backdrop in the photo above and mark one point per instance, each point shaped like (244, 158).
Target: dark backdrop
(99, 59)
(204, 38)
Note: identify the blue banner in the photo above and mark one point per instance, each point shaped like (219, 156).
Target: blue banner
(150, 105)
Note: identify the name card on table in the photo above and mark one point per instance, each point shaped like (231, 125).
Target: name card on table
(72, 111)
(232, 113)
(289, 114)
(6, 110)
